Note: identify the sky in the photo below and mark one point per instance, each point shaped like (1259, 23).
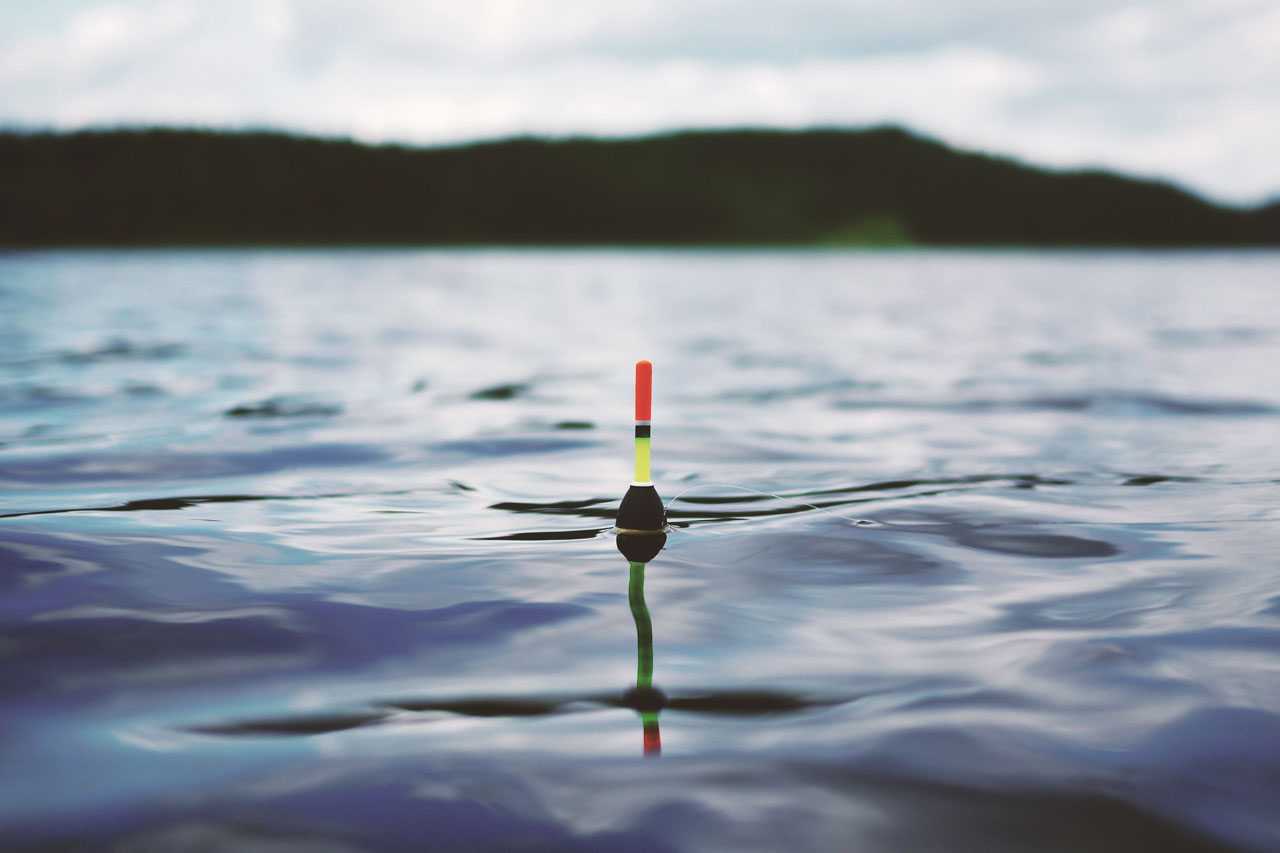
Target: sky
(1184, 90)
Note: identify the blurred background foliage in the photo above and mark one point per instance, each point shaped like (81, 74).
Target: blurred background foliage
(876, 187)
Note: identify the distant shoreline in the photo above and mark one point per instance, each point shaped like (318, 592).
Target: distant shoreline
(882, 188)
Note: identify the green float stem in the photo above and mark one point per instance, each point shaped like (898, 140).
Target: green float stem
(644, 628)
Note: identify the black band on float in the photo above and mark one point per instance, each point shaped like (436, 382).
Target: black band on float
(642, 430)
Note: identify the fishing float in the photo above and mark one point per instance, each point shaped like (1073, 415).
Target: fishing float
(641, 519)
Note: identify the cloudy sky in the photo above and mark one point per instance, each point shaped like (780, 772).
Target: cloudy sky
(1183, 89)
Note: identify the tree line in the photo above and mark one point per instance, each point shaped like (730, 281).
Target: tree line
(881, 187)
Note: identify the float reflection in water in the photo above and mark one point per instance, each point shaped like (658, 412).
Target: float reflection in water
(645, 698)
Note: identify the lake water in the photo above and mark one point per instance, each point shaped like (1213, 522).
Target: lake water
(311, 550)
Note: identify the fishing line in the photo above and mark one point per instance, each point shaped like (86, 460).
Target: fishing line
(858, 521)
(864, 522)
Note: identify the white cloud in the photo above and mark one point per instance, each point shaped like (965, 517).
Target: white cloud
(1183, 88)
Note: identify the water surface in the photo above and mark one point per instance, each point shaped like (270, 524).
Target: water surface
(970, 551)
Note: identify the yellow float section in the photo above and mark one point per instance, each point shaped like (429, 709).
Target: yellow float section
(642, 460)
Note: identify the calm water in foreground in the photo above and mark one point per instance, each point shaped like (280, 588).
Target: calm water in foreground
(310, 550)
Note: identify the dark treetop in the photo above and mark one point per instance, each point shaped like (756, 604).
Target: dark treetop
(881, 186)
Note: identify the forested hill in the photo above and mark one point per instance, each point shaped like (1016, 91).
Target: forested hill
(823, 187)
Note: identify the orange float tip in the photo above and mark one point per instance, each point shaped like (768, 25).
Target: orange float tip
(644, 390)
